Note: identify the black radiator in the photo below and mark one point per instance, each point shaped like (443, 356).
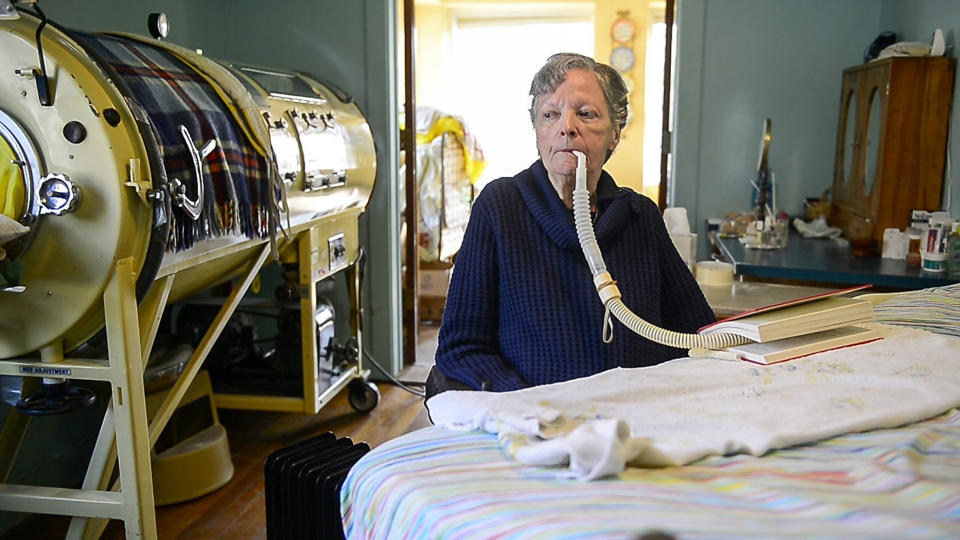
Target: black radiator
(302, 487)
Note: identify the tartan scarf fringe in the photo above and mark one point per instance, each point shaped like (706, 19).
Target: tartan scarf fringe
(223, 220)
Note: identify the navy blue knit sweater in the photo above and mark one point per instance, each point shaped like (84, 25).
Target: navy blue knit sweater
(522, 309)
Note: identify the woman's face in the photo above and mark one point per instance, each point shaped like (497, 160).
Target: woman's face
(575, 117)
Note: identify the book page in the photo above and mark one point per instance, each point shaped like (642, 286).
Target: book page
(798, 346)
(804, 318)
(788, 303)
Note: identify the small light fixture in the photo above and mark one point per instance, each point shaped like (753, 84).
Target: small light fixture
(158, 25)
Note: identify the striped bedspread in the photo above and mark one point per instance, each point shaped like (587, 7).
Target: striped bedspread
(893, 483)
(887, 483)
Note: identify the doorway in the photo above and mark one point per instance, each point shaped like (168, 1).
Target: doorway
(492, 56)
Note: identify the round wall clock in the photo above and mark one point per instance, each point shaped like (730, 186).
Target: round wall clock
(623, 30)
(622, 59)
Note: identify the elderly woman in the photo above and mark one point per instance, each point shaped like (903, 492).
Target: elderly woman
(522, 309)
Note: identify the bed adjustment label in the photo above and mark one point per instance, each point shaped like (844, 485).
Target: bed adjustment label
(37, 370)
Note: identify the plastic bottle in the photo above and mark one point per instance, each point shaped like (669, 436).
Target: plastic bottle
(953, 250)
(913, 248)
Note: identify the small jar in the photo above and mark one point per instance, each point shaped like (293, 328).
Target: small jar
(860, 235)
(913, 248)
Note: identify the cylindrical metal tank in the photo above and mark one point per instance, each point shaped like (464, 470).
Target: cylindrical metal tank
(127, 147)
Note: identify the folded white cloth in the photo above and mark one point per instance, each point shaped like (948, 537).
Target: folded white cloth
(817, 228)
(686, 409)
(592, 450)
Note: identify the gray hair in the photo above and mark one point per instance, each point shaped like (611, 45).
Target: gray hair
(554, 72)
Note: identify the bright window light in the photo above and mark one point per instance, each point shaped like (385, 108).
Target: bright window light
(653, 104)
(493, 61)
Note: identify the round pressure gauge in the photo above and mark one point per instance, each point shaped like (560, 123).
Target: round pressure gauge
(623, 30)
(622, 59)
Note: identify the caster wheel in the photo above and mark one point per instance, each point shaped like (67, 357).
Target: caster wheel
(363, 395)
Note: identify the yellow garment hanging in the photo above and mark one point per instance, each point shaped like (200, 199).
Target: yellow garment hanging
(473, 168)
(12, 192)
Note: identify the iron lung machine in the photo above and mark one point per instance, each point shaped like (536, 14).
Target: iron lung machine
(136, 173)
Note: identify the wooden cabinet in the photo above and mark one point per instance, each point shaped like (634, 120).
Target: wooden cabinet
(891, 144)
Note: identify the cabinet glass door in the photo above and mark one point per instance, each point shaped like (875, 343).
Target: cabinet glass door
(872, 140)
(848, 129)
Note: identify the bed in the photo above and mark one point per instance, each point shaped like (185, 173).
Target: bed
(890, 475)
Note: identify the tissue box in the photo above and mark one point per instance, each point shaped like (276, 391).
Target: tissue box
(686, 245)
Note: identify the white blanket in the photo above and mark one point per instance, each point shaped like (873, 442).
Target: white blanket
(680, 411)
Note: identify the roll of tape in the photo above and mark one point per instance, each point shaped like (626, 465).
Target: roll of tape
(714, 273)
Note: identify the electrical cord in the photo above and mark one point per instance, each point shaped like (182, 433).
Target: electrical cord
(361, 272)
(393, 379)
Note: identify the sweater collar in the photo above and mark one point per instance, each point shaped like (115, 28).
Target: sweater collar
(557, 221)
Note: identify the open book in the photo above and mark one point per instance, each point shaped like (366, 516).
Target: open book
(796, 317)
(799, 327)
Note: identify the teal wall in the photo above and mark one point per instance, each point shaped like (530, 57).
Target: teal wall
(349, 44)
(118, 15)
(740, 61)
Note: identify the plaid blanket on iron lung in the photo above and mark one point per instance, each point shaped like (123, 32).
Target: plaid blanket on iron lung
(235, 176)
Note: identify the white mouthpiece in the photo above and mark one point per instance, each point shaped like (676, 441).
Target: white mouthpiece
(581, 169)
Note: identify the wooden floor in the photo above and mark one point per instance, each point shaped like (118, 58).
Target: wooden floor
(237, 509)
